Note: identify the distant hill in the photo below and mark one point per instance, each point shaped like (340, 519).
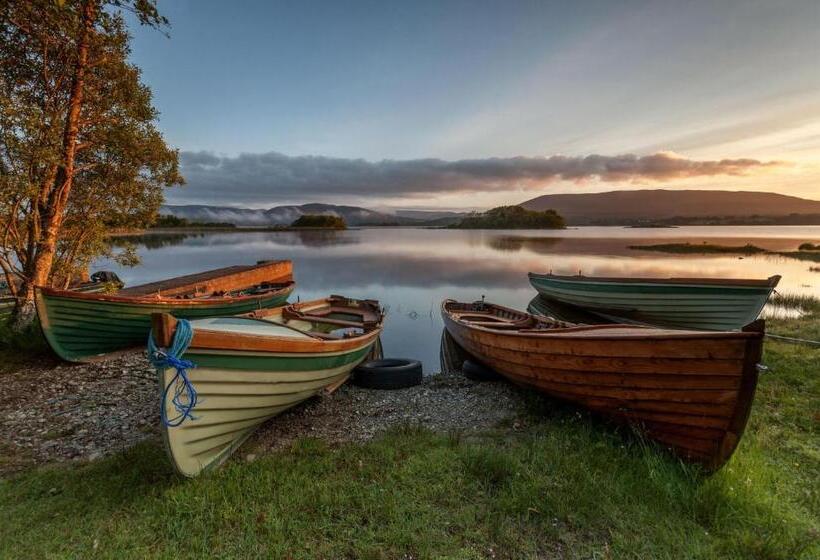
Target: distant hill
(677, 207)
(283, 215)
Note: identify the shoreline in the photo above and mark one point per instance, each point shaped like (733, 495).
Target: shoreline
(89, 411)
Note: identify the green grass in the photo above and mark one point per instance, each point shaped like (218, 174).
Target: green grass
(561, 484)
(28, 347)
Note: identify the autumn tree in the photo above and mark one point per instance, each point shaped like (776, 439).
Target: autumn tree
(79, 150)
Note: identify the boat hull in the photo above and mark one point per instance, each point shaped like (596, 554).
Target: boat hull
(690, 391)
(84, 327)
(238, 391)
(695, 304)
(252, 368)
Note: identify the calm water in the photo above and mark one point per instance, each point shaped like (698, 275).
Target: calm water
(411, 270)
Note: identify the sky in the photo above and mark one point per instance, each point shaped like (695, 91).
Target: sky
(468, 105)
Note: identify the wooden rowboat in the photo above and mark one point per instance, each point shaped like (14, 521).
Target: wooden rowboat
(250, 368)
(687, 303)
(83, 327)
(689, 390)
(102, 281)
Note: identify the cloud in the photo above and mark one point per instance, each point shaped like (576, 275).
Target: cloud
(267, 177)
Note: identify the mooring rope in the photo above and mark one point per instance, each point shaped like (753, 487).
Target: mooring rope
(794, 340)
(184, 394)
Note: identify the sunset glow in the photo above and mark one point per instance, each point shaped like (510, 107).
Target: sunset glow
(734, 81)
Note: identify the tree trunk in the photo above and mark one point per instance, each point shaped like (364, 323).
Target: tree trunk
(51, 213)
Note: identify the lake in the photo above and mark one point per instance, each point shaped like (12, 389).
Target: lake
(411, 270)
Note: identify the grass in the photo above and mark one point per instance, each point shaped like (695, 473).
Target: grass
(27, 347)
(561, 484)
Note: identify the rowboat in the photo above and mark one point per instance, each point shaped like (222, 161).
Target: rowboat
(83, 327)
(253, 367)
(103, 281)
(691, 391)
(539, 305)
(687, 303)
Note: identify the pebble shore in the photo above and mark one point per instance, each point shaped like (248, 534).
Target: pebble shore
(77, 412)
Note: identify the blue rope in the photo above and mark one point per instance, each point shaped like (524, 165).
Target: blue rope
(184, 396)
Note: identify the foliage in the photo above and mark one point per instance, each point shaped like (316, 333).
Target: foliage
(171, 221)
(809, 247)
(66, 176)
(513, 217)
(319, 221)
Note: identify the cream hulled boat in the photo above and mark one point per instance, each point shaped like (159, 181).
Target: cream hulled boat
(239, 371)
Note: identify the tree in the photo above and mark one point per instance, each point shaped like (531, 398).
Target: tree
(79, 151)
(319, 221)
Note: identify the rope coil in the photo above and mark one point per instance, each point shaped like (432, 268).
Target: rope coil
(184, 396)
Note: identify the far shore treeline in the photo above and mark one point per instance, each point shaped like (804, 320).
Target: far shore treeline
(325, 221)
(513, 217)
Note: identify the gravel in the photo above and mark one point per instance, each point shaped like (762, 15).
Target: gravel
(77, 412)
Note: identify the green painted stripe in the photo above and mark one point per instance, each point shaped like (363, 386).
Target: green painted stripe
(79, 329)
(314, 362)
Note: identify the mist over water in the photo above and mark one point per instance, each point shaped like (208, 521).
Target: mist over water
(410, 271)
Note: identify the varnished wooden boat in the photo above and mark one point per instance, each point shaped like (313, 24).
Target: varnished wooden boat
(689, 390)
(687, 303)
(251, 368)
(82, 327)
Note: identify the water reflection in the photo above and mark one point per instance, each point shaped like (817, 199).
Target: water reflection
(411, 270)
(307, 238)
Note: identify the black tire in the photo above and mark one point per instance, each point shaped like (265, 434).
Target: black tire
(391, 373)
(479, 372)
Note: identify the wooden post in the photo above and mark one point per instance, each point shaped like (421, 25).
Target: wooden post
(164, 326)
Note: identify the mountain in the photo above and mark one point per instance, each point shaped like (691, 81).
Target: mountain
(282, 215)
(673, 206)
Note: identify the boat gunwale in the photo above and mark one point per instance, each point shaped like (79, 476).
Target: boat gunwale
(770, 282)
(558, 332)
(280, 288)
(226, 341)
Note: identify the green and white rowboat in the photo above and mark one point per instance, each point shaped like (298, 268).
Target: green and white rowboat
(248, 369)
(103, 281)
(83, 327)
(687, 303)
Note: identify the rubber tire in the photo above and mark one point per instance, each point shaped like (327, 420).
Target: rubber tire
(392, 373)
(479, 372)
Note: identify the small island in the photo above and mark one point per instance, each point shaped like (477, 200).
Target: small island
(513, 217)
(169, 221)
(319, 221)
